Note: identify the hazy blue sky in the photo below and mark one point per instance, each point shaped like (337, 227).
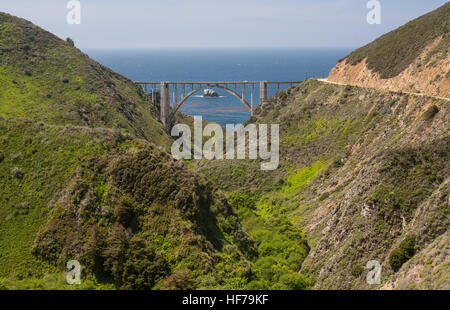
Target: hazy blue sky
(218, 23)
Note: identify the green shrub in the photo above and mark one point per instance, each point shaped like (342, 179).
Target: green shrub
(283, 95)
(292, 281)
(241, 200)
(431, 112)
(70, 42)
(357, 271)
(337, 163)
(144, 266)
(281, 248)
(180, 280)
(324, 196)
(403, 253)
(262, 269)
(3, 286)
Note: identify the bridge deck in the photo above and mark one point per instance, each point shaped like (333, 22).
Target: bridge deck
(218, 82)
(168, 110)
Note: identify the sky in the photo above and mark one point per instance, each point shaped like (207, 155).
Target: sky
(218, 23)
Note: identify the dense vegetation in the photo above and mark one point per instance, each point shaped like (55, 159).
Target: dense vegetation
(404, 252)
(46, 79)
(81, 179)
(133, 216)
(395, 51)
(357, 166)
(281, 246)
(363, 175)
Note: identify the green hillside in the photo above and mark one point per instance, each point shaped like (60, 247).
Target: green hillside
(395, 51)
(131, 214)
(44, 78)
(85, 175)
(361, 171)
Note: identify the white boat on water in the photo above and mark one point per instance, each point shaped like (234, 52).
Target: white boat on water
(210, 93)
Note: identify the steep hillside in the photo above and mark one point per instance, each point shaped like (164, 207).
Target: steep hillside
(363, 173)
(364, 170)
(129, 213)
(46, 79)
(84, 175)
(413, 58)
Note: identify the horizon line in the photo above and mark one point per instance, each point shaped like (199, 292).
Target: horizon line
(220, 47)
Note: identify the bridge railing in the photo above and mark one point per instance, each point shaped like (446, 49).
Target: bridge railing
(217, 82)
(170, 91)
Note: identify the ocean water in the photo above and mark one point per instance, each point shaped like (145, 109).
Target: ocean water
(255, 64)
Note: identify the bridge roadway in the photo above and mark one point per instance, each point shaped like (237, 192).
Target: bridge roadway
(189, 88)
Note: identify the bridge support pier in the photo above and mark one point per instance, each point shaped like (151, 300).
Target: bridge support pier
(252, 99)
(165, 104)
(262, 92)
(166, 110)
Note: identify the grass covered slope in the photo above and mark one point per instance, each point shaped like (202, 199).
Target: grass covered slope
(395, 51)
(413, 58)
(46, 79)
(84, 176)
(363, 175)
(133, 216)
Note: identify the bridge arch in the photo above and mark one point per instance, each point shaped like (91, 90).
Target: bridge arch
(167, 112)
(230, 91)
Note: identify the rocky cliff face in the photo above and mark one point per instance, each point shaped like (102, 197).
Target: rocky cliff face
(419, 77)
(414, 58)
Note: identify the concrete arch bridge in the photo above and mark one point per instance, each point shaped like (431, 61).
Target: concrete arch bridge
(182, 91)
